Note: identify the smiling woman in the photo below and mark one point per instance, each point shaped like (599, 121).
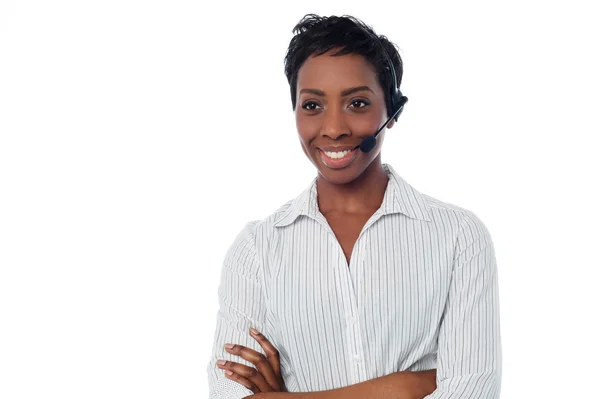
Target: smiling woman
(361, 286)
(343, 100)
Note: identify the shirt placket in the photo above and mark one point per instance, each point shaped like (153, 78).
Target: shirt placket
(356, 336)
(356, 355)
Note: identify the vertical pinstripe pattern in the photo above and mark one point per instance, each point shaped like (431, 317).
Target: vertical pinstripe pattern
(420, 292)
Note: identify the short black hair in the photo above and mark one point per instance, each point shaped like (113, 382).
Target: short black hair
(315, 35)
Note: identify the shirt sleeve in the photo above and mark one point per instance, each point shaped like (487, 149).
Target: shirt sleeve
(469, 344)
(241, 306)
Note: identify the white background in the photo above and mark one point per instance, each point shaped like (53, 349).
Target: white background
(138, 137)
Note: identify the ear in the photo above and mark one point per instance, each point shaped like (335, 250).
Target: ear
(390, 124)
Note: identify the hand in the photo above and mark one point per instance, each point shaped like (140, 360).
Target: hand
(266, 377)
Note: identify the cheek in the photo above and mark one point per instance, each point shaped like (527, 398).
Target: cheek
(367, 125)
(307, 131)
(305, 144)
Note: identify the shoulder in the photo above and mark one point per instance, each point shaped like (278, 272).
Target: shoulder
(466, 224)
(462, 214)
(255, 232)
(245, 254)
(468, 233)
(241, 255)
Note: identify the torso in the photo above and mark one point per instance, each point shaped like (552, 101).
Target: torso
(347, 228)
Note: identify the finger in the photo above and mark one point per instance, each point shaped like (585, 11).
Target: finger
(271, 352)
(238, 378)
(250, 374)
(259, 361)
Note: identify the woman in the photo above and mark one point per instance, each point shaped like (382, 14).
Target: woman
(361, 286)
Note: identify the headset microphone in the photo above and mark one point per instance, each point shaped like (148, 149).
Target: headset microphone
(371, 141)
(396, 98)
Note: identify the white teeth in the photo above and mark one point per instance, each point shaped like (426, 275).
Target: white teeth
(336, 155)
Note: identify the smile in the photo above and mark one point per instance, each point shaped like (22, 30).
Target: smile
(338, 160)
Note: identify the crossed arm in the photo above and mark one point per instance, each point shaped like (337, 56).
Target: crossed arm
(265, 380)
(400, 385)
(469, 349)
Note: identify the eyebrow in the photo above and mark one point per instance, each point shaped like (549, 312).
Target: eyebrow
(344, 93)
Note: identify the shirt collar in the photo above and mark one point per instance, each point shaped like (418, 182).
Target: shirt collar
(399, 197)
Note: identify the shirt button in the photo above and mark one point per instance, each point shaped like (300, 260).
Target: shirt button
(357, 358)
(351, 320)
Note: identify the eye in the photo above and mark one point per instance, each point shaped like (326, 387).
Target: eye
(354, 102)
(310, 106)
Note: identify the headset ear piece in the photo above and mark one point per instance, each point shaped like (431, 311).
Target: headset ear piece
(402, 99)
(398, 101)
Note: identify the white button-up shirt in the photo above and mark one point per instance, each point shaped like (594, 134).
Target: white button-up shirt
(420, 292)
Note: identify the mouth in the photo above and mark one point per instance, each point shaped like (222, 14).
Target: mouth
(338, 160)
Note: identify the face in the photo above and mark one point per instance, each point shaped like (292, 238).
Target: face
(339, 102)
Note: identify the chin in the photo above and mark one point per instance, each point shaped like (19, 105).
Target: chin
(339, 176)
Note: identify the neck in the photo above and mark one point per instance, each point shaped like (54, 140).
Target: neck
(362, 195)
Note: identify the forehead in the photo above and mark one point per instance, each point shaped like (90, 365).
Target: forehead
(342, 71)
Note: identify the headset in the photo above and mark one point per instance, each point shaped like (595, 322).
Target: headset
(396, 98)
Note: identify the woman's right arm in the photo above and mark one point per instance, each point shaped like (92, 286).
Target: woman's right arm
(241, 306)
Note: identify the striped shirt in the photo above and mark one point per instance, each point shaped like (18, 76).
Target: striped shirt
(420, 292)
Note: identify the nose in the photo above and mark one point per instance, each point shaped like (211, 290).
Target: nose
(334, 123)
